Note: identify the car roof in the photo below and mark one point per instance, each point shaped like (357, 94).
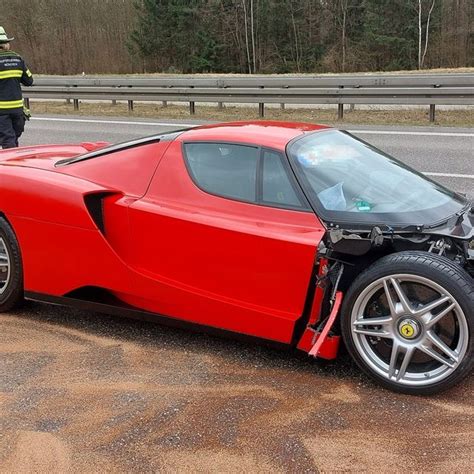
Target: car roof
(264, 133)
(271, 134)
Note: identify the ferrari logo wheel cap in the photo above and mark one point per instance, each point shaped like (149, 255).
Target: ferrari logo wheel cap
(408, 328)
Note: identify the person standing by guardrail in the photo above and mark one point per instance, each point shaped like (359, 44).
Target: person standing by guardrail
(13, 73)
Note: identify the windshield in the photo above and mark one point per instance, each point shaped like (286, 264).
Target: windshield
(348, 180)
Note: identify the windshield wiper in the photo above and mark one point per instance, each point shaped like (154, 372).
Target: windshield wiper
(468, 207)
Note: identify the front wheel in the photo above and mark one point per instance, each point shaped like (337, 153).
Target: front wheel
(11, 272)
(408, 322)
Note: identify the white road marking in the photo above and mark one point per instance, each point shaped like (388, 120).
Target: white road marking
(167, 124)
(395, 132)
(449, 175)
(115, 122)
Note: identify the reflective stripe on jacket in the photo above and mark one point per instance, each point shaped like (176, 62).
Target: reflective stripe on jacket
(13, 73)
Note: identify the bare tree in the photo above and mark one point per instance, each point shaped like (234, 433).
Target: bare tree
(252, 33)
(343, 21)
(247, 46)
(421, 56)
(297, 41)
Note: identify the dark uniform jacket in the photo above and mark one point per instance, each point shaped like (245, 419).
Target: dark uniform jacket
(13, 73)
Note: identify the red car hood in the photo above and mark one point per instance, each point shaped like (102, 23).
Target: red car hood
(45, 156)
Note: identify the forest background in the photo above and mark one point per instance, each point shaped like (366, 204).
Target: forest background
(240, 36)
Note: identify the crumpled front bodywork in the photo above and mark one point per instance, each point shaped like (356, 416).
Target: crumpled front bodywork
(453, 238)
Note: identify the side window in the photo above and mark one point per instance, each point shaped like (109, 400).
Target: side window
(277, 188)
(224, 169)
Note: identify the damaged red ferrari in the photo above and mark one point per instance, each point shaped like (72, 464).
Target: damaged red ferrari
(297, 234)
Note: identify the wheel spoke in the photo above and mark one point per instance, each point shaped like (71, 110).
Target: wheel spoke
(374, 321)
(406, 359)
(388, 295)
(4, 266)
(404, 301)
(398, 349)
(431, 320)
(4, 263)
(405, 362)
(427, 308)
(434, 355)
(385, 322)
(428, 349)
(373, 332)
(393, 359)
(439, 344)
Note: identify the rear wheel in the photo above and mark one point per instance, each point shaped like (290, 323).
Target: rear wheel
(11, 273)
(408, 322)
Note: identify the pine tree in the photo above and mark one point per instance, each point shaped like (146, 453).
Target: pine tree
(390, 37)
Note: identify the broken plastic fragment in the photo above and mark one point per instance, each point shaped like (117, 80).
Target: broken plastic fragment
(333, 198)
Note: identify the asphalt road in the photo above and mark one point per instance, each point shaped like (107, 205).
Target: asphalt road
(83, 391)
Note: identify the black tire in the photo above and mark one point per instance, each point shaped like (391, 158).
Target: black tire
(12, 294)
(422, 267)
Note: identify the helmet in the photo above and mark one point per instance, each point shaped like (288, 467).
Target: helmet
(4, 37)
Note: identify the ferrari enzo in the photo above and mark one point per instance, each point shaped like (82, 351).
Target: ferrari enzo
(293, 233)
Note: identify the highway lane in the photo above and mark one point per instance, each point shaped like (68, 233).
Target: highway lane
(443, 151)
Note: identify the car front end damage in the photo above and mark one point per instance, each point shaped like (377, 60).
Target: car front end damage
(400, 248)
(347, 250)
(319, 339)
(452, 237)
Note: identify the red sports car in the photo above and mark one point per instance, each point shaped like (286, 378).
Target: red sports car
(293, 233)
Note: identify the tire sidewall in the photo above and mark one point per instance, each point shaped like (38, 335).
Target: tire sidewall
(388, 266)
(13, 293)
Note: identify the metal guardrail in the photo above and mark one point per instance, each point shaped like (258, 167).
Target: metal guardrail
(407, 89)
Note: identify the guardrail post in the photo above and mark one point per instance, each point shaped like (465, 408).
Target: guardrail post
(27, 102)
(261, 110)
(282, 106)
(68, 100)
(340, 108)
(340, 111)
(130, 105)
(220, 105)
(165, 103)
(432, 112)
(114, 101)
(192, 108)
(76, 104)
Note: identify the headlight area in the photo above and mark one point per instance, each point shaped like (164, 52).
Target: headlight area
(458, 250)
(360, 247)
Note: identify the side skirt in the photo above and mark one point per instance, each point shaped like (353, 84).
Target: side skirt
(117, 308)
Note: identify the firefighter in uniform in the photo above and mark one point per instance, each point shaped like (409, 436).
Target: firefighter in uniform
(13, 73)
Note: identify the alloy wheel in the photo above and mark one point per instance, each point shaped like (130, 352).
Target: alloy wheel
(409, 329)
(5, 266)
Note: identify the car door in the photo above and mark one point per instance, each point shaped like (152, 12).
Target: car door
(224, 238)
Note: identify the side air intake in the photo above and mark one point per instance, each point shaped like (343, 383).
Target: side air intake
(94, 204)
